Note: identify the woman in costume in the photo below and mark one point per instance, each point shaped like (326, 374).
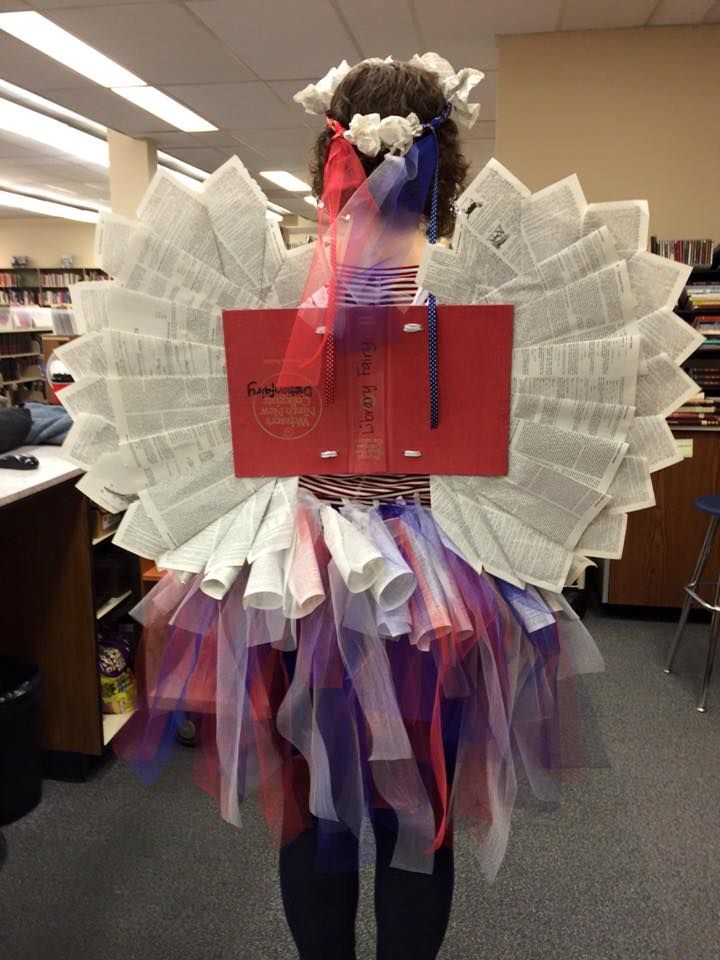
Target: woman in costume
(411, 695)
(341, 641)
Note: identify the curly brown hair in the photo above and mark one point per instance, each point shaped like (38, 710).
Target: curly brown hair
(391, 89)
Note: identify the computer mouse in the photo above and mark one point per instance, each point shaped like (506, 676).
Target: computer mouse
(18, 461)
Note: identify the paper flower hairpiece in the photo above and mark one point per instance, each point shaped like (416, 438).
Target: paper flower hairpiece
(316, 97)
(370, 134)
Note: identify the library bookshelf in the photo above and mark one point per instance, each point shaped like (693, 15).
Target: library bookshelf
(663, 542)
(42, 286)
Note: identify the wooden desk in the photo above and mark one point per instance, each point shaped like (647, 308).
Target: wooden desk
(46, 596)
(662, 543)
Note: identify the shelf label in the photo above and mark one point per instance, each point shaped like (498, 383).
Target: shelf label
(685, 446)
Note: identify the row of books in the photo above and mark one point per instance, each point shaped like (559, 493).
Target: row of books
(32, 278)
(22, 369)
(706, 377)
(701, 295)
(698, 411)
(23, 297)
(14, 343)
(60, 279)
(708, 324)
(12, 280)
(697, 252)
(51, 298)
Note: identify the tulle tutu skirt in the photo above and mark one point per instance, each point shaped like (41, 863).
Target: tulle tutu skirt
(366, 667)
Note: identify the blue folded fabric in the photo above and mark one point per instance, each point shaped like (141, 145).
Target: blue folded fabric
(50, 424)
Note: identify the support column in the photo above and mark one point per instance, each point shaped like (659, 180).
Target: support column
(132, 167)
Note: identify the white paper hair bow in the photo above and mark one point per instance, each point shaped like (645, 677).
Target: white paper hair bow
(316, 97)
(456, 86)
(370, 134)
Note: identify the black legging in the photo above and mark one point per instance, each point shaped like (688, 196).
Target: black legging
(412, 909)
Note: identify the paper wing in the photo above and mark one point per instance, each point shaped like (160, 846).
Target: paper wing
(150, 401)
(595, 371)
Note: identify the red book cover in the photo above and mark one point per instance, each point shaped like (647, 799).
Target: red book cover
(379, 420)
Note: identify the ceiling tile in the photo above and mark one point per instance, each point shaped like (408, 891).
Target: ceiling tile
(203, 157)
(441, 23)
(167, 139)
(293, 158)
(228, 140)
(279, 137)
(235, 105)
(229, 145)
(282, 39)
(108, 108)
(590, 15)
(680, 11)
(398, 35)
(59, 4)
(160, 42)
(21, 65)
(480, 52)
(286, 90)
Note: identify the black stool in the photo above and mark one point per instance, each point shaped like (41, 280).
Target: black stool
(709, 504)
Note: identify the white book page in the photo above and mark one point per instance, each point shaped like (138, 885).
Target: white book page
(88, 439)
(627, 220)
(137, 355)
(652, 439)
(179, 216)
(552, 218)
(609, 420)
(600, 371)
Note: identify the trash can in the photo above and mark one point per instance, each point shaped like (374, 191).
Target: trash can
(20, 767)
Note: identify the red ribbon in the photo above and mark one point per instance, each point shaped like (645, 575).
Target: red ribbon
(343, 176)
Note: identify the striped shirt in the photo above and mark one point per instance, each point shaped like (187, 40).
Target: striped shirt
(379, 285)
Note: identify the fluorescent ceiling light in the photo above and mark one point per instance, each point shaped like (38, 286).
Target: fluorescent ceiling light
(163, 106)
(285, 180)
(61, 196)
(47, 106)
(23, 122)
(47, 37)
(276, 207)
(52, 40)
(46, 207)
(271, 215)
(311, 200)
(181, 165)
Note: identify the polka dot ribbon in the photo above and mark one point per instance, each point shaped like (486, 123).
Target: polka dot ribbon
(330, 314)
(431, 302)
